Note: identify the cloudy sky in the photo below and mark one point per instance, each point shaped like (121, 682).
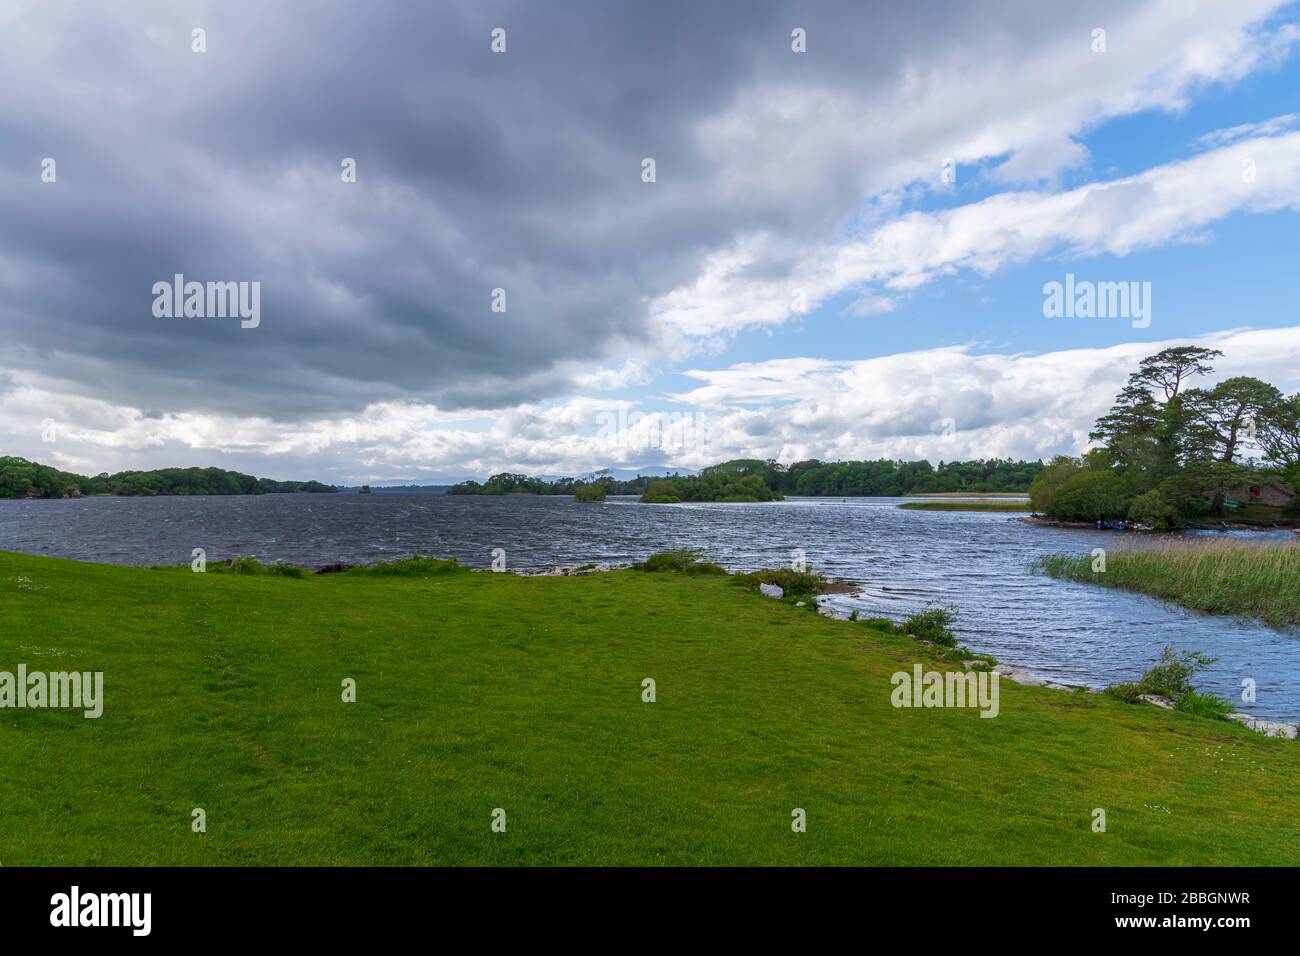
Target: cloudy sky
(842, 253)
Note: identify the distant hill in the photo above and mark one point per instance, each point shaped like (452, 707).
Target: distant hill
(20, 478)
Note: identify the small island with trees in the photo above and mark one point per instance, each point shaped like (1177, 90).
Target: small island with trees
(590, 491)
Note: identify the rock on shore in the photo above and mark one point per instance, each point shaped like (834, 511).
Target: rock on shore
(1272, 728)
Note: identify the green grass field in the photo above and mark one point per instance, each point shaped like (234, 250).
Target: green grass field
(1218, 577)
(1021, 507)
(477, 691)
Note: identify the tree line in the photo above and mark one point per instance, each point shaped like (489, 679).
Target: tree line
(20, 478)
(1170, 454)
(754, 479)
(508, 483)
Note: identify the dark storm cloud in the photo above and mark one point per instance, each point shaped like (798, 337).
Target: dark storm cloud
(476, 171)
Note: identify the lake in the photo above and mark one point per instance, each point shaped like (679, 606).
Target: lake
(904, 560)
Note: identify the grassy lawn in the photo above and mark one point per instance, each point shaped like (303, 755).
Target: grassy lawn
(477, 691)
(1218, 577)
(1021, 507)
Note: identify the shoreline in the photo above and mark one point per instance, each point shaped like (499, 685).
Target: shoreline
(1288, 728)
(379, 687)
(835, 587)
(1038, 520)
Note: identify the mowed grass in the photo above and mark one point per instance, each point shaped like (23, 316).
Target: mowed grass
(478, 691)
(1218, 577)
(1008, 506)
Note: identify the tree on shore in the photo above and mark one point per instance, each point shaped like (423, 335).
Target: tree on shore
(1144, 425)
(20, 478)
(1278, 434)
(1169, 452)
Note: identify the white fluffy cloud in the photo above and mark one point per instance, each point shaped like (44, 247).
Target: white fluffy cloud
(798, 144)
(1165, 204)
(948, 403)
(780, 183)
(1268, 127)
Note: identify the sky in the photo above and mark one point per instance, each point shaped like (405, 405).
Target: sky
(565, 236)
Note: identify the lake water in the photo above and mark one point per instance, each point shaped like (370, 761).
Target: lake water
(904, 560)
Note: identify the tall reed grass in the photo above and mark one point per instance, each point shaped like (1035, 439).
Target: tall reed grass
(1218, 577)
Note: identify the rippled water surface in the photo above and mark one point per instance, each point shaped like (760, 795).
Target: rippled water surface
(904, 560)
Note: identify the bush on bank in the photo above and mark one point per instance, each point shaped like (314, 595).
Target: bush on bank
(1171, 678)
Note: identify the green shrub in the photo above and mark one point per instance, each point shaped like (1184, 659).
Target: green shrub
(245, 565)
(684, 561)
(932, 625)
(250, 565)
(880, 624)
(1044, 487)
(589, 492)
(668, 561)
(419, 566)
(792, 582)
(1127, 692)
(959, 655)
(1151, 508)
(1172, 677)
(1205, 705)
(1089, 496)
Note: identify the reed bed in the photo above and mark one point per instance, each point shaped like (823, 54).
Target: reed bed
(1218, 577)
